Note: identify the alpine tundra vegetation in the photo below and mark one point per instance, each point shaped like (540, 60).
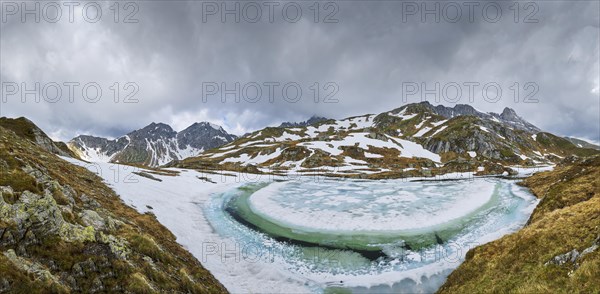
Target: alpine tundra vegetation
(322, 147)
(556, 252)
(64, 228)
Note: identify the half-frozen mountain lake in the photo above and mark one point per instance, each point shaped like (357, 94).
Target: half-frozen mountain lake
(368, 236)
(315, 234)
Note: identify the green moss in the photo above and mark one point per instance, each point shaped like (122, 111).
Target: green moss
(138, 284)
(65, 254)
(148, 246)
(69, 216)
(459, 128)
(506, 153)
(158, 277)
(19, 181)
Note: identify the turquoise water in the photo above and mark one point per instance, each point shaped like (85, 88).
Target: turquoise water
(367, 236)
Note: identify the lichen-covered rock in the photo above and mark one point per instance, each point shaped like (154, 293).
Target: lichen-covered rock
(38, 175)
(77, 270)
(88, 202)
(569, 257)
(93, 219)
(4, 285)
(73, 233)
(34, 268)
(5, 190)
(319, 158)
(71, 283)
(65, 195)
(113, 224)
(118, 246)
(32, 211)
(573, 256)
(97, 285)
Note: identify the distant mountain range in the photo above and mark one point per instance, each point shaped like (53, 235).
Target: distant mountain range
(414, 140)
(312, 120)
(153, 145)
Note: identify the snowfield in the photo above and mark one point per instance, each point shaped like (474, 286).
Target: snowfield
(192, 209)
(177, 203)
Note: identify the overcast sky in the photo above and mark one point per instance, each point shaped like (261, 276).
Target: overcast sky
(365, 55)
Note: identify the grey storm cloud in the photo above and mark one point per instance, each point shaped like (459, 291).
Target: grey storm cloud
(365, 61)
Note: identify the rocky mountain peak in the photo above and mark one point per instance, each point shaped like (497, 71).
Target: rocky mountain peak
(204, 125)
(91, 141)
(312, 120)
(509, 114)
(206, 134)
(158, 127)
(155, 144)
(465, 109)
(154, 131)
(315, 119)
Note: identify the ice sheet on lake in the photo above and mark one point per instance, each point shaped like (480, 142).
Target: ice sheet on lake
(192, 209)
(387, 206)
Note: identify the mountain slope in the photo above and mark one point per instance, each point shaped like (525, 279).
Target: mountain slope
(153, 145)
(557, 252)
(26, 129)
(63, 230)
(413, 140)
(582, 144)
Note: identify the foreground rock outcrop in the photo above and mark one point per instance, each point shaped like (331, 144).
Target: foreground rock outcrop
(63, 230)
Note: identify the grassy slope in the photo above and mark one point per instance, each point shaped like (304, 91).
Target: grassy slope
(562, 145)
(24, 128)
(156, 261)
(21, 126)
(584, 144)
(567, 218)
